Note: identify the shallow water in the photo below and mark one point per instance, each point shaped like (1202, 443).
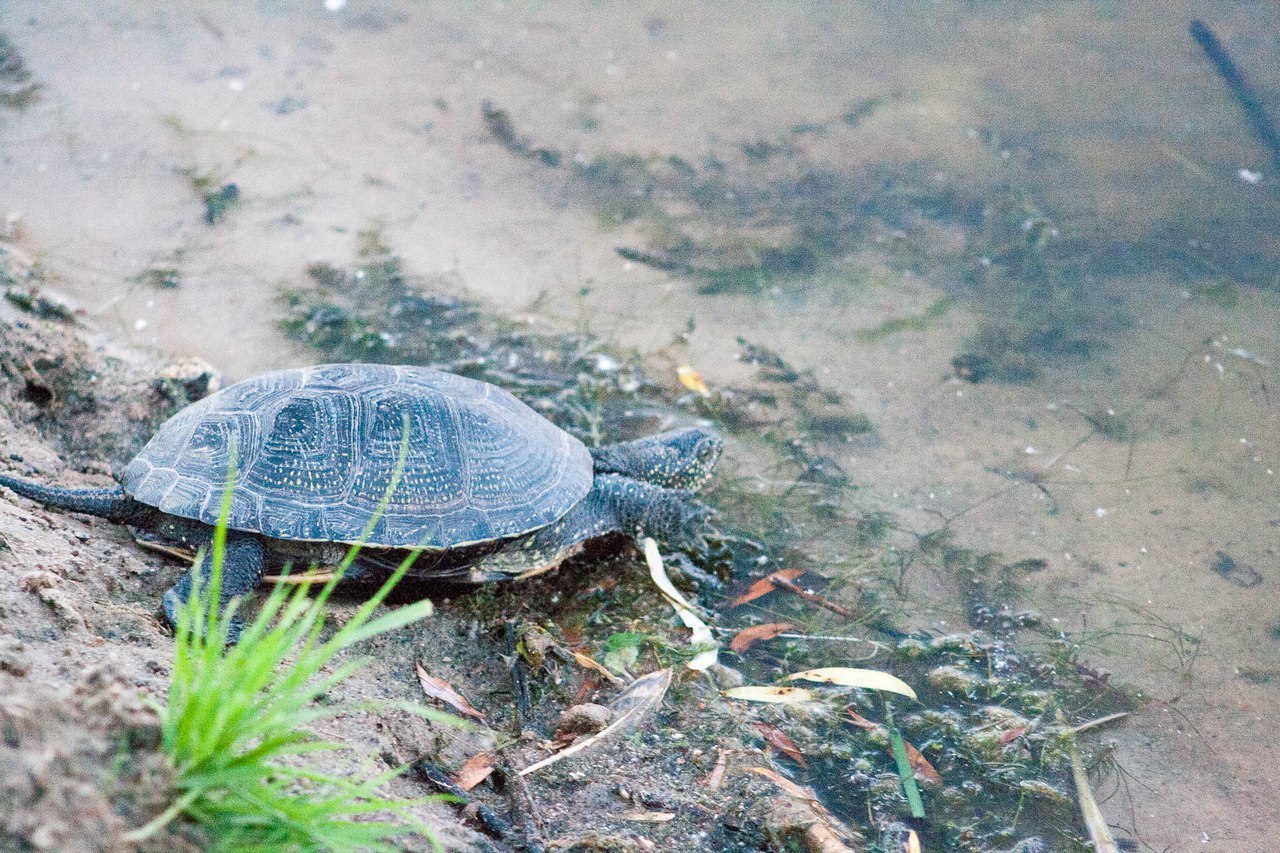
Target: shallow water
(1067, 177)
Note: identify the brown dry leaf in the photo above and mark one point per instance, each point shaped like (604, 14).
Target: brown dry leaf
(923, 769)
(641, 816)
(791, 788)
(692, 380)
(474, 771)
(826, 834)
(765, 585)
(716, 777)
(821, 838)
(913, 842)
(1010, 736)
(644, 694)
(779, 741)
(919, 764)
(441, 690)
(861, 721)
(791, 586)
(748, 637)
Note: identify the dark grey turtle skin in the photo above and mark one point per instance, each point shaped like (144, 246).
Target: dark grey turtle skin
(488, 486)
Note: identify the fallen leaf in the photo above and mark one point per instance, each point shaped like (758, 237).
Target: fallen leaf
(867, 679)
(587, 662)
(765, 585)
(921, 766)
(862, 722)
(778, 739)
(699, 631)
(642, 816)
(1010, 736)
(798, 791)
(644, 694)
(717, 773)
(1094, 820)
(822, 838)
(692, 380)
(777, 695)
(825, 834)
(790, 586)
(913, 842)
(474, 771)
(748, 637)
(441, 690)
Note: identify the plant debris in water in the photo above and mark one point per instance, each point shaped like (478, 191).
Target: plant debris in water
(769, 218)
(989, 742)
(986, 720)
(218, 198)
(17, 89)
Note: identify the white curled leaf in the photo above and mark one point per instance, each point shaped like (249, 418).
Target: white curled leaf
(700, 631)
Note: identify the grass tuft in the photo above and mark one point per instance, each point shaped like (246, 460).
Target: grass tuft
(235, 724)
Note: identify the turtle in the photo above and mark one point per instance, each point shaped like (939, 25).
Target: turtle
(485, 484)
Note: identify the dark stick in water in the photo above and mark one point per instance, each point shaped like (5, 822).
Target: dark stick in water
(1226, 67)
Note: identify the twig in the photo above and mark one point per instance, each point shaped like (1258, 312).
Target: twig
(792, 586)
(1248, 100)
(1100, 721)
(1099, 833)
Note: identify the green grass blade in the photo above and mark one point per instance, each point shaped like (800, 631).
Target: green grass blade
(905, 771)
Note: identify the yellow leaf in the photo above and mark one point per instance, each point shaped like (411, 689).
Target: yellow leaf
(692, 380)
(779, 695)
(867, 679)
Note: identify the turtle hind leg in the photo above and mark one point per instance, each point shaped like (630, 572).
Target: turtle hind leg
(545, 549)
(523, 558)
(110, 503)
(242, 564)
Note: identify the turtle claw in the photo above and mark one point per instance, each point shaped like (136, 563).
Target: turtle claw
(696, 524)
(241, 573)
(175, 600)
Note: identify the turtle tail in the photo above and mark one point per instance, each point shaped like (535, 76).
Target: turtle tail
(110, 503)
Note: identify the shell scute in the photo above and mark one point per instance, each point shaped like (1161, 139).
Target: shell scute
(317, 449)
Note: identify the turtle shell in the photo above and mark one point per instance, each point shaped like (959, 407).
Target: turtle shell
(315, 451)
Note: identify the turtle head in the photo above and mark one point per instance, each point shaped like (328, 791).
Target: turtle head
(679, 459)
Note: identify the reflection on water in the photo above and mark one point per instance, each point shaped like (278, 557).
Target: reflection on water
(973, 285)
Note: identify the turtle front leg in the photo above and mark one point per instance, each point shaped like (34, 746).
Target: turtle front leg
(615, 504)
(242, 561)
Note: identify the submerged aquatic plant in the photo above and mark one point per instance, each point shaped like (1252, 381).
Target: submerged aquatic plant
(236, 719)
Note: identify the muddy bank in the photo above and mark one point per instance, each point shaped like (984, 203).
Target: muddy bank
(81, 629)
